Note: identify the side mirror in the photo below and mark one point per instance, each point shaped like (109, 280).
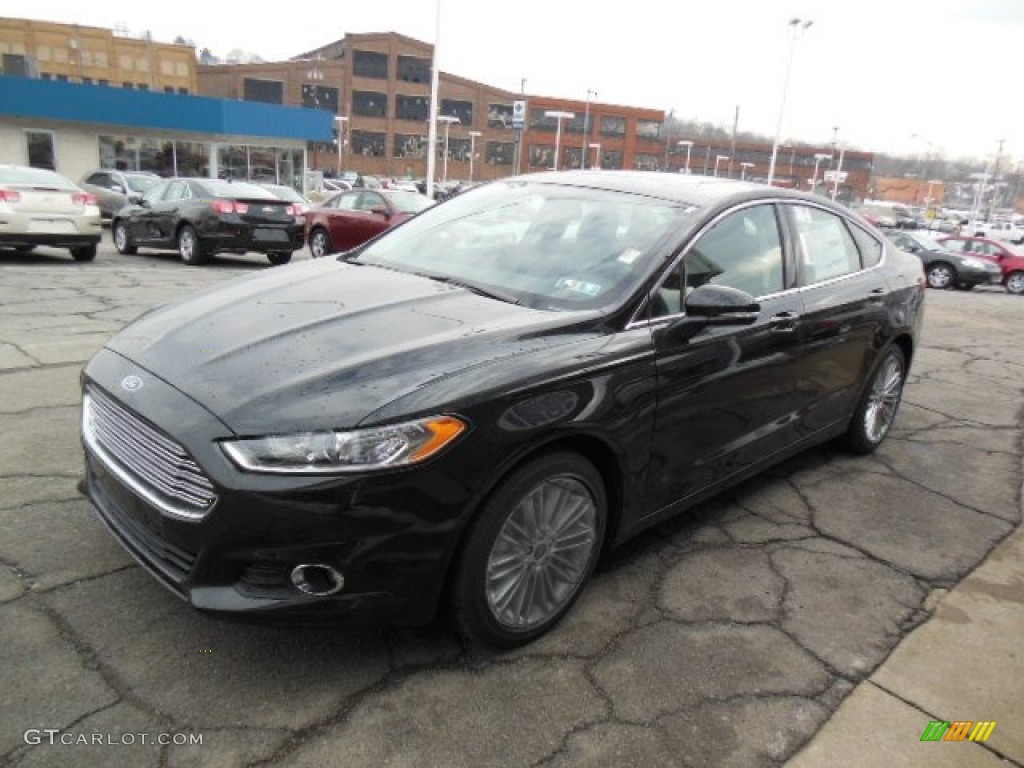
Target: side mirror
(721, 305)
(136, 198)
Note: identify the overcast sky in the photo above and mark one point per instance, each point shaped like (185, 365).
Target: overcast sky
(880, 70)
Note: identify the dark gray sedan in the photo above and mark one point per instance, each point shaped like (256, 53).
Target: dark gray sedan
(944, 268)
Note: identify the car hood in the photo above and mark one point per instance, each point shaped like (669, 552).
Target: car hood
(324, 344)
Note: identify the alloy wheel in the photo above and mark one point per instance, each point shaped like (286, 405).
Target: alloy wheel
(883, 399)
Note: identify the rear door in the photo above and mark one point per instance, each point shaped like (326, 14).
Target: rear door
(844, 294)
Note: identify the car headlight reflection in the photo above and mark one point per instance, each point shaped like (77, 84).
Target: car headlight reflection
(325, 452)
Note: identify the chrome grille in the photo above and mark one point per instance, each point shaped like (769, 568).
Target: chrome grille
(154, 465)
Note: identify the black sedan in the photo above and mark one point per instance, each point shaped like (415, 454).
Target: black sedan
(199, 217)
(472, 407)
(944, 268)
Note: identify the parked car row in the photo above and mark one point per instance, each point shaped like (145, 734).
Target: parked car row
(963, 262)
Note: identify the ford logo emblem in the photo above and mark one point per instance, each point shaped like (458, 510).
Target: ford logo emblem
(131, 383)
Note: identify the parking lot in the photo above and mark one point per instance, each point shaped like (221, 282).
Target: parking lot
(727, 637)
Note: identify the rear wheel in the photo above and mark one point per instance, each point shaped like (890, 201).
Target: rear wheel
(319, 243)
(279, 258)
(530, 551)
(84, 252)
(190, 247)
(878, 405)
(121, 241)
(1015, 283)
(940, 275)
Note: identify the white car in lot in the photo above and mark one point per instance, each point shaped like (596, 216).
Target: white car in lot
(40, 207)
(1007, 231)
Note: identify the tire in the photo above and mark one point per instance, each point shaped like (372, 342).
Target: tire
(190, 247)
(940, 275)
(878, 404)
(965, 286)
(279, 258)
(529, 552)
(122, 242)
(319, 243)
(1014, 283)
(84, 252)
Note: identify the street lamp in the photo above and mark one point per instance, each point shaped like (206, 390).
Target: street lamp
(340, 120)
(818, 157)
(472, 150)
(559, 117)
(743, 170)
(839, 173)
(796, 28)
(447, 120)
(689, 145)
(597, 154)
(928, 199)
(718, 159)
(586, 130)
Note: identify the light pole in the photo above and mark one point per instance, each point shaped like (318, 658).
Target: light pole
(796, 28)
(559, 117)
(718, 159)
(818, 157)
(839, 173)
(928, 199)
(597, 155)
(743, 170)
(586, 130)
(689, 145)
(472, 150)
(340, 120)
(447, 120)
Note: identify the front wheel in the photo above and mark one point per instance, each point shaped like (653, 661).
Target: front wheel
(529, 553)
(940, 275)
(319, 243)
(190, 248)
(877, 408)
(121, 240)
(279, 258)
(1015, 283)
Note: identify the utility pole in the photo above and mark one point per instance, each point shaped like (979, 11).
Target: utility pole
(518, 151)
(995, 178)
(732, 146)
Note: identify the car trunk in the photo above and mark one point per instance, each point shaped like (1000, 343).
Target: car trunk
(48, 209)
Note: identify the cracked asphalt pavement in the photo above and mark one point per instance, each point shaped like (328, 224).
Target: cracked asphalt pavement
(726, 637)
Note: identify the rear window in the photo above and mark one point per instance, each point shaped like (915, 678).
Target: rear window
(141, 183)
(235, 189)
(34, 177)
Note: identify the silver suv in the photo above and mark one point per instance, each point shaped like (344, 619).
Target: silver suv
(114, 189)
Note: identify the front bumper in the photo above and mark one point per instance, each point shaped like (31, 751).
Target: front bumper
(390, 535)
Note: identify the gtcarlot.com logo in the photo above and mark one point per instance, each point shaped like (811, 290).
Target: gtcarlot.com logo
(57, 737)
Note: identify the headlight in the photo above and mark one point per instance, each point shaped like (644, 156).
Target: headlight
(975, 263)
(359, 450)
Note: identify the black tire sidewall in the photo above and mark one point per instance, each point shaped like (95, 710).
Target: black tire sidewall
(947, 267)
(326, 242)
(856, 437)
(198, 256)
(471, 613)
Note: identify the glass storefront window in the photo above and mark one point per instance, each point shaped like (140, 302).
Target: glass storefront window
(500, 152)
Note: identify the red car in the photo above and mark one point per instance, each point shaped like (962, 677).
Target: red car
(351, 218)
(1010, 261)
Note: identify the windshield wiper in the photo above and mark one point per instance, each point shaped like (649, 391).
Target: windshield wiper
(472, 287)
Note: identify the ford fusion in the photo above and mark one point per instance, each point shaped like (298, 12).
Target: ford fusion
(470, 409)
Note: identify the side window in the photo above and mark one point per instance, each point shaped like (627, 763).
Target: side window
(347, 202)
(99, 179)
(742, 251)
(956, 246)
(176, 191)
(871, 249)
(900, 240)
(369, 201)
(668, 299)
(827, 249)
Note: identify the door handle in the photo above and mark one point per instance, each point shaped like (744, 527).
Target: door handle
(875, 297)
(783, 322)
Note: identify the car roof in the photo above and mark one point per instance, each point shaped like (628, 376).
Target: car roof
(702, 191)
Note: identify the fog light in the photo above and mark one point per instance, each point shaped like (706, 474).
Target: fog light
(317, 579)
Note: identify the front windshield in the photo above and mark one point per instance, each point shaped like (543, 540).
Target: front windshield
(544, 245)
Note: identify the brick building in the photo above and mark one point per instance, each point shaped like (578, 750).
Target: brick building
(94, 56)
